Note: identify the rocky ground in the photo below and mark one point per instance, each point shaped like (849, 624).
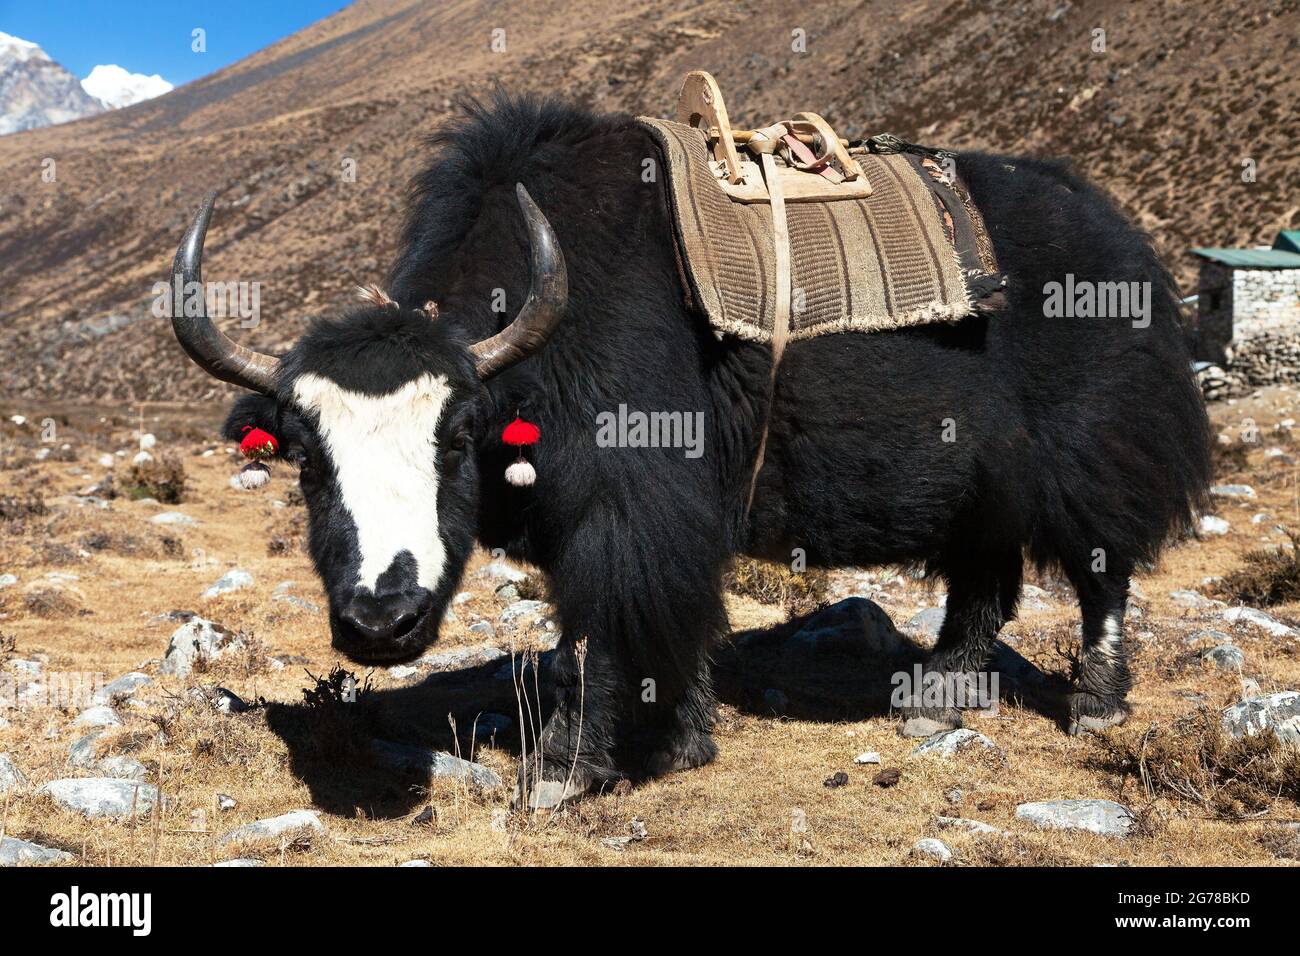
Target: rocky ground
(169, 695)
(1179, 108)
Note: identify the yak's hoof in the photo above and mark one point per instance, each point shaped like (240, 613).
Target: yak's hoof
(690, 750)
(1092, 712)
(927, 723)
(551, 794)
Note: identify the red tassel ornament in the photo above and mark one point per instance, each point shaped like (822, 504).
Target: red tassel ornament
(257, 446)
(520, 434)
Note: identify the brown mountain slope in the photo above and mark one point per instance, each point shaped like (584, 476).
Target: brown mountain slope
(1165, 117)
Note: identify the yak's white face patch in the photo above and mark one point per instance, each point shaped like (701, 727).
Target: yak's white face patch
(384, 453)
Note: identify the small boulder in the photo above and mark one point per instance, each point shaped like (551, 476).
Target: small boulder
(523, 613)
(11, 778)
(1232, 491)
(1103, 817)
(121, 688)
(500, 571)
(1212, 526)
(928, 621)
(102, 796)
(461, 658)
(233, 580)
(1279, 713)
(1226, 657)
(240, 862)
(1258, 618)
(174, 518)
(14, 852)
(294, 824)
(969, 826)
(434, 763)
(932, 848)
(196, 638)
(867, 757)
(101, 716)
(950, 743)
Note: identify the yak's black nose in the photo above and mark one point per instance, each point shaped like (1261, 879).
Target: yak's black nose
(377, 621)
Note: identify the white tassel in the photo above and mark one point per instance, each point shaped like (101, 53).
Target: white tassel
(254, 475)
(521, 474)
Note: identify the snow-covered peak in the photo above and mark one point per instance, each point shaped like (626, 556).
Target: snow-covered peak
(17, 50)
(115, 87)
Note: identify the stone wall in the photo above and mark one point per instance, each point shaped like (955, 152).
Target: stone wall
(1235, 306)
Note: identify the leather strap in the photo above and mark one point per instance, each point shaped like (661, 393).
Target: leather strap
(781, 320)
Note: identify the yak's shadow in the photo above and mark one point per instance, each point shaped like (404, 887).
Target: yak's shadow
(837, 664)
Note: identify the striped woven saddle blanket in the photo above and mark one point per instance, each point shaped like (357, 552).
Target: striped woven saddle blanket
(914, 251)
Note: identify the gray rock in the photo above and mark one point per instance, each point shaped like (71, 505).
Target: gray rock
(855, 619)
(867, 757)
(122, 688)
(11, 778)
(936, 849)
(500, 571)
(177, 518)
(223, 700)
(461, 658)
(1258, 618)
(8, 580)
(526, 612)
(507, 594)
(434, 763)
(484, 629)
(225, 802)
(241, 861)
(402, 671)
(233, 580)
(284, 592)
(1103, 817)
(1226, 657)
(1035, 598)
(102, 796)
(294, 823)
(969, 826)
(416, 863)
(952, 742)
(1213, 637)
(101, 716)
(927, 622)
(1190, 599)
(1279, 713)
(83, 752)
(14, 852)
(1232, 491)
(196, 638)
(1213, 525)
(122, 768)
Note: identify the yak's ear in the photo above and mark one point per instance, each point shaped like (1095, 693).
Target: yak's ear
(259, 411)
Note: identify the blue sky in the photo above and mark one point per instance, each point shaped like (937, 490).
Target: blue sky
(153, 36)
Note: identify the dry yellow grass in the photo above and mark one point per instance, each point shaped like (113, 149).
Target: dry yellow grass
(737, 811)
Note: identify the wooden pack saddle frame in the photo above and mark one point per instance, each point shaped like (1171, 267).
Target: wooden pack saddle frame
(816, 167)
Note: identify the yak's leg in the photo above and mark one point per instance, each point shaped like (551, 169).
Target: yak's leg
(982, 596)
(1101, 676)
(639, 703)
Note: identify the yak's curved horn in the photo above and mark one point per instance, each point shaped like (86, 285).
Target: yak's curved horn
(548, 294)
(202, 341)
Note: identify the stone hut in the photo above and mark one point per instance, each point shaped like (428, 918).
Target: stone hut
(1248, 301)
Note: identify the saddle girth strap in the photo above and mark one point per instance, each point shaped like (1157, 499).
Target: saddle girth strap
(781, 325)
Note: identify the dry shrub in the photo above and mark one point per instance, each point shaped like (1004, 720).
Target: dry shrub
(532, 588)
(1194, 760)
(769, 583)
(50, 602)
(1268, 576)
(162, 478)
(8, 646)
(18, 508)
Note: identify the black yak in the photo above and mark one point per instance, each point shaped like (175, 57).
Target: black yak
(964, 448)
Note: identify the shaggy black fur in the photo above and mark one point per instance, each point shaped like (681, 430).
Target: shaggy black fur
(1080, 443)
